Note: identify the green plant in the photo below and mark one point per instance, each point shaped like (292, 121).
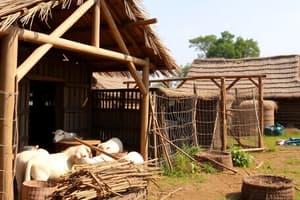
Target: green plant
(240, 158)
(209, 168)
(182, 165)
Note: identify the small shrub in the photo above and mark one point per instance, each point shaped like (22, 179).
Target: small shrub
(209, 168)
(183, 166)
(240, 158)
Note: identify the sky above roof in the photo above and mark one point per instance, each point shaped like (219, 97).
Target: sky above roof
(274, 24)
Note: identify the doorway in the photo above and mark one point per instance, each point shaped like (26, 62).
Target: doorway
(42, 113)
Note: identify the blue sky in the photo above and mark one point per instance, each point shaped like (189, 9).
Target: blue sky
(274, 24)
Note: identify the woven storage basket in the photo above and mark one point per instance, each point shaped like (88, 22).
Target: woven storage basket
(36, 190)
(266, 187)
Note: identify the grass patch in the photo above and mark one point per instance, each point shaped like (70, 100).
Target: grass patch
(270, 141)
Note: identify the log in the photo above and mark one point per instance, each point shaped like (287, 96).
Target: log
(96, 148)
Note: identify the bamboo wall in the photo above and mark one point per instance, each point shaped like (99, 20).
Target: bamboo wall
(116, 113)
(72, 102)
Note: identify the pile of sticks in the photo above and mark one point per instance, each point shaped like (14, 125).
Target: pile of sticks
(105, 180)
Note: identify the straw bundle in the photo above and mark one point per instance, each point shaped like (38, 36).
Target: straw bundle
(105, 180)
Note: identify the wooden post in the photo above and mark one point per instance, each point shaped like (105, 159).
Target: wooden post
(145, 112)
(195, 135)
(223, 111)
(8, 66)
(118, 37)
(261, 112)
(96, 25)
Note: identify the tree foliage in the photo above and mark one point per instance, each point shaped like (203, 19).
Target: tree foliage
(184, 70)
(210, 46)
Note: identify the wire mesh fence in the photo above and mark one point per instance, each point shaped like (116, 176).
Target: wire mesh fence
(191, 120)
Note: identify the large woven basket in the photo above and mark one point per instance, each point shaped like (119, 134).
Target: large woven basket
(36, 190)
(267, 187)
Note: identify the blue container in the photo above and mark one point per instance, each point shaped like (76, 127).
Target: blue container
(274, 130)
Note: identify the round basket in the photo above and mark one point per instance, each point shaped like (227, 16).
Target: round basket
(37, 190)
(219, 156)
(267, 187)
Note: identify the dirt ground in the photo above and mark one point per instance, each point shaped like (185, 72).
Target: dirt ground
(226, 185)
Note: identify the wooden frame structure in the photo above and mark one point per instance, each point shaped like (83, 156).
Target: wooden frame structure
(11, 74)
(221, 83)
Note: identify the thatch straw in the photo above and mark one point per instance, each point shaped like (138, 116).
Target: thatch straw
(25, 12)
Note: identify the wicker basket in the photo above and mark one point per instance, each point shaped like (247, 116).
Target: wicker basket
(36, 190)
(267, 187)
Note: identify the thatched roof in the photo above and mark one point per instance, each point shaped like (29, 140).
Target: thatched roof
(282, 73)
(104, 81)
(45, 15)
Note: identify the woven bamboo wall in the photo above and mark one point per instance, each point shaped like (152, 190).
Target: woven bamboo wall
(72, 91)
(116, 113)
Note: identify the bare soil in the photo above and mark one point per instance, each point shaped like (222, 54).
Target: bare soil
(227, 185)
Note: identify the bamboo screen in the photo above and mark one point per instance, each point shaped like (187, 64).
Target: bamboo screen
(116, 113)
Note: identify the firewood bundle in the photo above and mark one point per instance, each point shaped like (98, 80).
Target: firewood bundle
(105, 180)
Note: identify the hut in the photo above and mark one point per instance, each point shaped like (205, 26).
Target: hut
(280, 85)
(49, 51)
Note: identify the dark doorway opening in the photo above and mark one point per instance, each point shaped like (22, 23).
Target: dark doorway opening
(42, 113)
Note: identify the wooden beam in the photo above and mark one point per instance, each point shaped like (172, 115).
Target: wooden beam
(115, 32)
(232, 84)
(142, 22)
(215, 82)
(8, 66)
(96, 25)
(145, 112)
(255, 83)
(209, 77)
(38, 53)
(180, 84)
(40, 38)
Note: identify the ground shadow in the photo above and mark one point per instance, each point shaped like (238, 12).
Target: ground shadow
(234, 196)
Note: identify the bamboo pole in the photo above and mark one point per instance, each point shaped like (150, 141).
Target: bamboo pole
(261, 112)
(223, 111)
(96, 25)
(195, 116)
(153, 102)
(38, 53)
(8, 66)
(145, 112)
(164, 148)
(40, 38)
(117, 35)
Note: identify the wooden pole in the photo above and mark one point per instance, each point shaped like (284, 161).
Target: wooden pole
(38, 53)
(223, 111)
(40, 38)
(96, 25)
(145, 112)
(117, 35)
(8, 66)
(261, 112)
(195, 135)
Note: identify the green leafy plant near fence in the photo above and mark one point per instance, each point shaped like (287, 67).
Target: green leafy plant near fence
(182, 165)
(240, 158)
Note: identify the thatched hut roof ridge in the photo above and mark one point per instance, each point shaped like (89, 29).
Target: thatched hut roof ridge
(45, 15)
(282, 73)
